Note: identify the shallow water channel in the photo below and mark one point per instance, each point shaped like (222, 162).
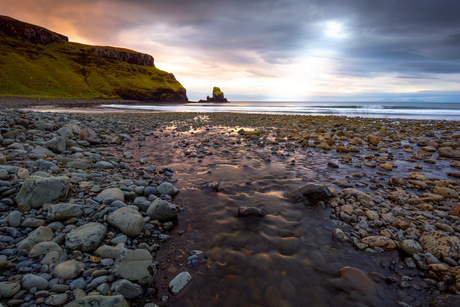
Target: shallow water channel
(287, 258)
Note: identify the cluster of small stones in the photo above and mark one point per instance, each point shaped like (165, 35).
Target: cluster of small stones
(418, 215)
(75, 227)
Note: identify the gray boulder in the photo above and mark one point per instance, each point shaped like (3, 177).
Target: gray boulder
(56, 144)
(135, 266)
(40, 152)
(64, 132)
(42, 125)
(89, 135)
(86, 238)
(167, 188)
(36, 191)
(161, 210)
(126, 288)
(142, 203)
(128, 220)
(114, 193)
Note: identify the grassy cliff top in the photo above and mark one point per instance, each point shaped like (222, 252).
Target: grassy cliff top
(217, 92)
(74, 70)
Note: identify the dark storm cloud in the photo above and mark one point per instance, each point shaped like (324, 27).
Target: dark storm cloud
(404, 37)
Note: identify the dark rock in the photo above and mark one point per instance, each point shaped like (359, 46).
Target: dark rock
(128, 57)
(310, 193)
(28, 32)
(251, 211)
(210, 186)
(217, 96)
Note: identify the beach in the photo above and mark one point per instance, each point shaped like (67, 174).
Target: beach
(343, 211)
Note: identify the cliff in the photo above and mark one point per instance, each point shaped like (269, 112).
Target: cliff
(37, 62)
(28, 32)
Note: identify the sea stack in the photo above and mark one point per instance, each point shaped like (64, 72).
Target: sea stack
(217, 96)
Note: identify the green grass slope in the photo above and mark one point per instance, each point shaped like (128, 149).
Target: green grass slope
(71, 70)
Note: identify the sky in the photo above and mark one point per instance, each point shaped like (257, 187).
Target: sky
(312, 50)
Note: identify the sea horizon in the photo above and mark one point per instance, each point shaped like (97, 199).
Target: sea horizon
(382, 109)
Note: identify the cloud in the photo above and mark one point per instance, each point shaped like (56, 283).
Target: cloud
(358, 39)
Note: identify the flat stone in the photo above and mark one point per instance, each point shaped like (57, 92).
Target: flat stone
(99, 301)
(448, 152)
(104, 165)
(445, 192)
(135, 266)
(64, 211)
(87, 237)
(179, 282)
(128, 220)
(37, 191)
(114, 193)
(68, 269)
(441, 245)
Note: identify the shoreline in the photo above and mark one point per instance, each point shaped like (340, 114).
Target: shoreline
(392, 185)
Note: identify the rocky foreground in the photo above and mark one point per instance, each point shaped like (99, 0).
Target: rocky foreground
(77, 222)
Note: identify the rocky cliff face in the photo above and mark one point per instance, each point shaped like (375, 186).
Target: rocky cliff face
(28, 32)
(38, 35)
(128, 57)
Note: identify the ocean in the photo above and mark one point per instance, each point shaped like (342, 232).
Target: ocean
(405, 110)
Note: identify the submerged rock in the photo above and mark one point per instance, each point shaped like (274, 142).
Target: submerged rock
(310, 193)
(252, 211)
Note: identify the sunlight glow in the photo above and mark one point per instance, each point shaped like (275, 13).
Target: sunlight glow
(335, 29)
